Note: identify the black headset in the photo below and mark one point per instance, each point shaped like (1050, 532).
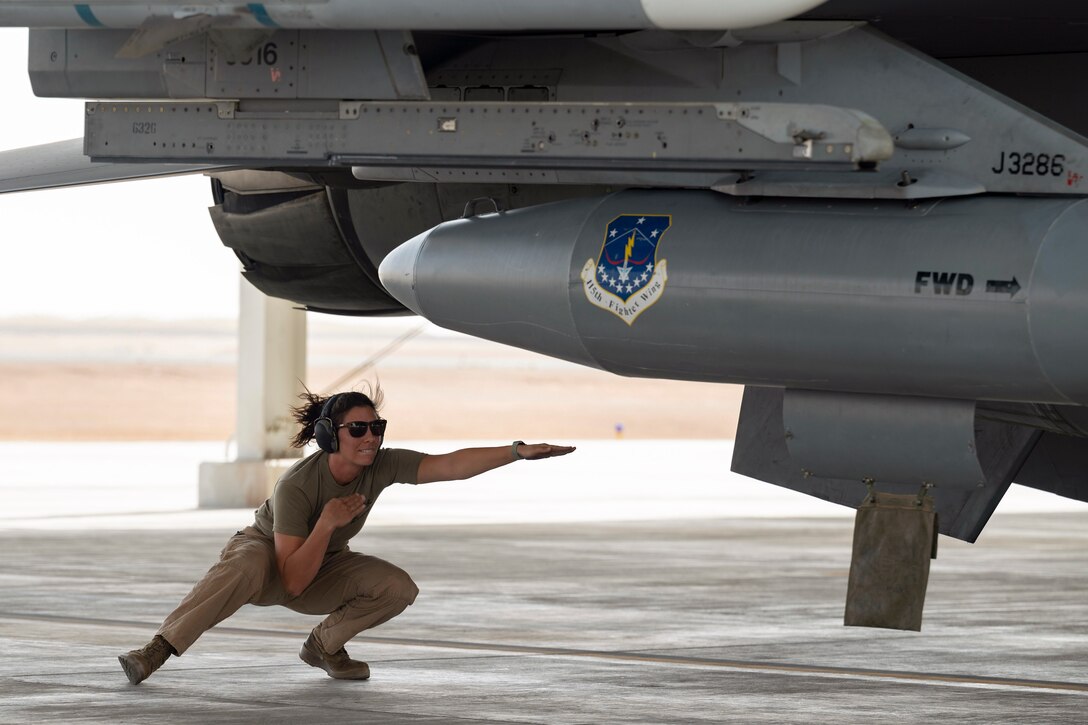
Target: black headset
(325, 429)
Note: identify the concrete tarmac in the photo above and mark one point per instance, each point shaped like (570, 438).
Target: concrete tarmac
(667, 621)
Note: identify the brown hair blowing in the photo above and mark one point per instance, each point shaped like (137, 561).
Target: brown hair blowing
(309, 411)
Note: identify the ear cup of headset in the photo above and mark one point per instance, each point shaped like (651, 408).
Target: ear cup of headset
(325, 435)
(325, 430)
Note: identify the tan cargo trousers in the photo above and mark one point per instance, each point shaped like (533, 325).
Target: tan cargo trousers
(356, 591)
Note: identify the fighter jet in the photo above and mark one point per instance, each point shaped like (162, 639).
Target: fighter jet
(871, 214)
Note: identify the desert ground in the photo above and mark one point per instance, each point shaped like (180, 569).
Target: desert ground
(140, 380)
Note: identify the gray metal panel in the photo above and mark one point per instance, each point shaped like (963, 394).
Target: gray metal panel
(403, 65)
(902, 88)
(47, 58)
(1047, 83)
(1059, 323)
(883, 438)
(1002, 450)
(703, 138)
(286, 65)
(761, 452)
(270, 71)
(859, 69)
(1058, 464)
(1066, 420)
(84, 64)
(359, 64)
(1007, 148)
(881, 184)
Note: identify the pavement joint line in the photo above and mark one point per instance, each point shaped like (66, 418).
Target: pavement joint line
(206, 697)
(629, 656)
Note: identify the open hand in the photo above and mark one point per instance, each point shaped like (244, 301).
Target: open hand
(340, 511)
(536, 451)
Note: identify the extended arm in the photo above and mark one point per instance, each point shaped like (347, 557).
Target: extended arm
(469, 462)
(298, 558)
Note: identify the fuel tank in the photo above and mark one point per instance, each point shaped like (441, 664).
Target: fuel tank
(972, 298)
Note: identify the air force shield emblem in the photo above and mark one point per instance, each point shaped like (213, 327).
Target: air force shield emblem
(627, 277)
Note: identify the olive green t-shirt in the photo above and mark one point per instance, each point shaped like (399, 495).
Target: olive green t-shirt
(302, 492)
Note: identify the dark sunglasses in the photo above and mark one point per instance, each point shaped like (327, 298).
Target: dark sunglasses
(358, 428)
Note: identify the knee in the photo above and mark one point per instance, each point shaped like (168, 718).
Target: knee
(397, 585)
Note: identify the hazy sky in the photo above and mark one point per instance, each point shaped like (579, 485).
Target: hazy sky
(130, 249)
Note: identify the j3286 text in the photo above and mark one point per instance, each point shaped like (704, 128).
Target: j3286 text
(1030, 164)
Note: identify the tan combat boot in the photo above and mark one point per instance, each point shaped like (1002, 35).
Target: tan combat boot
(337, 664)
(140, 663)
